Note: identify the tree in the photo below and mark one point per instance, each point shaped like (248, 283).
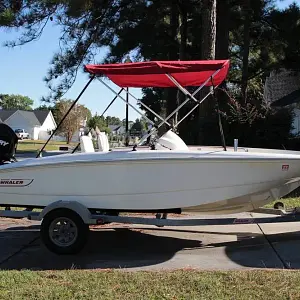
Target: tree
(15, 102)
(73, 121)
(208, 52)
(255, 35)
(52, 108)
(44, 107)
(129, 122)
(137, 127)
(113, 120)
(98, 121)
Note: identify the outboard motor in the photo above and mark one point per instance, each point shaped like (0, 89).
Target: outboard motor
(8, 144)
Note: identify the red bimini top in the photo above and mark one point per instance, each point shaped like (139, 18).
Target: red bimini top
(153, 73)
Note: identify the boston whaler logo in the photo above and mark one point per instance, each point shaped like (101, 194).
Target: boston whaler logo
(15, 182)
(285, 167)
(3, 143)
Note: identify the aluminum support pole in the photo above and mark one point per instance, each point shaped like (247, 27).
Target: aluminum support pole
(151, 122)
(71, 107)
(190, 96)
(147, 107)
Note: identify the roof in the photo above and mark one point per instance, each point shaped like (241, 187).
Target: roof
(5, 114)
(30, 116)
(114, 127)
(153, 73)
(291, 98)
(41, 115)
(35, 117)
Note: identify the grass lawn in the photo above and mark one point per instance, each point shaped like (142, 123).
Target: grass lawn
(181, 284)
(288, 202)
(34, 145)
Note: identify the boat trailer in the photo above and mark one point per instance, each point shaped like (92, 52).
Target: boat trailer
(65, 224)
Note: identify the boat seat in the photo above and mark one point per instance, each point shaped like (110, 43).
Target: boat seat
(170, 140)
(103, 143)
(86, 144)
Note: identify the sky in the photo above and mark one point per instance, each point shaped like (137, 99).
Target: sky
(23, 68)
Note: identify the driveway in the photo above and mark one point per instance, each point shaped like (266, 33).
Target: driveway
(131, 247)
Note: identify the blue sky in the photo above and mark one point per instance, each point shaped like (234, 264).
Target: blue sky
(23, 69)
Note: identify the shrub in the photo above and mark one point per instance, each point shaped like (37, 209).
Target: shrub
(258, 125)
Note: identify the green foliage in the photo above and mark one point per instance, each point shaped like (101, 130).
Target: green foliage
(286, 30)
(84, 111)
(6, 17)
(15, 102)
(258, 125)
(113, 120)
(74, 119)
(172, 30)
(100, 122)
(130, 123)
(52, 108)
(137, 127)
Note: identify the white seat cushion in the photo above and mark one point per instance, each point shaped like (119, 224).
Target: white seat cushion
(86, 144)
(103, 143)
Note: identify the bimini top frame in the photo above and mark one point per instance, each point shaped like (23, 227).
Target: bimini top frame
(164, 74)
(158, 73)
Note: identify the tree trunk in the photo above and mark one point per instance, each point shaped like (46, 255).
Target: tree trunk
(246, 46)
(182, 51)
(222, 43)
(183, 31)
(172, 55)
(223, 20)
(208, 38)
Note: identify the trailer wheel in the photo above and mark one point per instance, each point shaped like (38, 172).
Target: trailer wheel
(279, 205)
(64, 232)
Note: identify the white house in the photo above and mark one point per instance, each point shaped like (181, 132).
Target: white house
(117, 129)
(38, 123)
(296, 122)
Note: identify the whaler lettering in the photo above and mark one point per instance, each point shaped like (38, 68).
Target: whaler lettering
(10, 182)
(3, 143)
(15, 182)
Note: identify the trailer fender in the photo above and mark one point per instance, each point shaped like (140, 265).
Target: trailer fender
(75, 206)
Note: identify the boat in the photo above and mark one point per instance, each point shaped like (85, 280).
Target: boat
(166, 177)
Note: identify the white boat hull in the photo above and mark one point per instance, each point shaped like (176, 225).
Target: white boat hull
(211, 182)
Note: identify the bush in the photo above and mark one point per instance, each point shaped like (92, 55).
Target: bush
(258, 126)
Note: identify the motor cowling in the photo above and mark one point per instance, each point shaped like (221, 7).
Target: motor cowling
(8, 144)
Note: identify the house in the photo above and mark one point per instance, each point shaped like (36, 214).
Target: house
(38, 123)
(117, 129)
(283, 87)
(120, 129)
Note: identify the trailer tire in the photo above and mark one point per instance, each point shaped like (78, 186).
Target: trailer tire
(69, 237)
(279, 205)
